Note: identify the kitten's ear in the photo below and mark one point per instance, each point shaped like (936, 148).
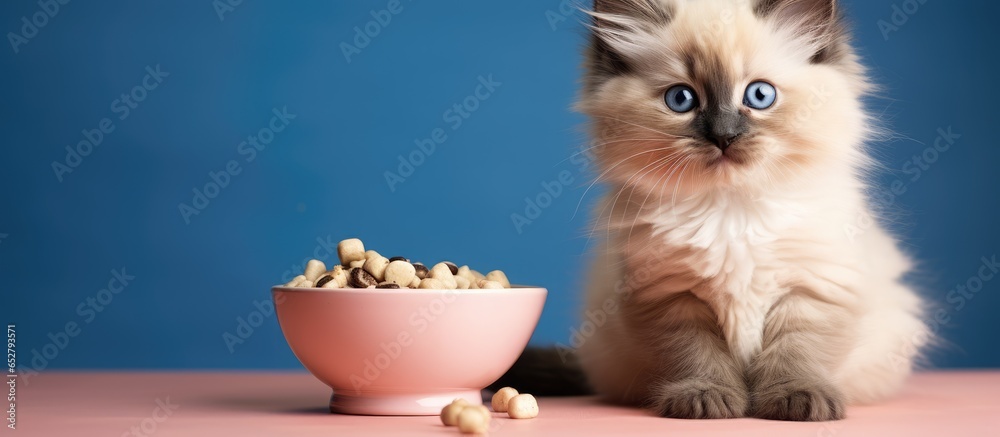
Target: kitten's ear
(817, 20)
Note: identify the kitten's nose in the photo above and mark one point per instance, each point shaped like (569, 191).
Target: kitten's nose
(721, 126)
(722, 141)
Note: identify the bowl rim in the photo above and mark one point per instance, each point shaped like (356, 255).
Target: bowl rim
(526, 289)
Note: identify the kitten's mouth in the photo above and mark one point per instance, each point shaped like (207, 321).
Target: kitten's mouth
(728, 157)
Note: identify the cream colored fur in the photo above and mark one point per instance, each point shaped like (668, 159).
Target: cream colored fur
(768, 238)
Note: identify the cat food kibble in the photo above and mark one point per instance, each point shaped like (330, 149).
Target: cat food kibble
(296, 280)
(449, 414)
(360, 268)
(400, 272)
(501, 398)
(375, 266)
(421, 270)
(474, 419)
(350, 250)
(487, 284)
(498, 276)
(325, 279)
(442, 272)
(431, 283)
(359, 278)
(314, 269)
(522, 407)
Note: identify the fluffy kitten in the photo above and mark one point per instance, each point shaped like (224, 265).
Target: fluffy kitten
(731, 136)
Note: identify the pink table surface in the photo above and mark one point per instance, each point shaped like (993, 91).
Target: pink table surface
(294, 404)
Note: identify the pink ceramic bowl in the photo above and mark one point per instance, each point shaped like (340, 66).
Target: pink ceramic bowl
(404, 351)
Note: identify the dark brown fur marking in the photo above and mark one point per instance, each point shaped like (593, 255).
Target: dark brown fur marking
(700, 379)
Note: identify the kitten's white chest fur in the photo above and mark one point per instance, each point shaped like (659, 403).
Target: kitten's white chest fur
(729, 240)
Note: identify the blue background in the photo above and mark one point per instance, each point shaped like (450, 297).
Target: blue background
(323, 176)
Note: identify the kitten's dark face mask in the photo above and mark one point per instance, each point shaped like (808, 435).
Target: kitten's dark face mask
(722, 126)
(708, 93)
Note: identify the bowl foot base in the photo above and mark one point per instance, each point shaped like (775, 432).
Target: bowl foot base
(411, 404)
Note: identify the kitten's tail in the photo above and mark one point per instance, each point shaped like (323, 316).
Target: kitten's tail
(546, 371)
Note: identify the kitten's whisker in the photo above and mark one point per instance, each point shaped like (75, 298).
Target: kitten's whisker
(656, 185)
(611, 213)
(596, 145)
(673, 197)
(598, 178)
(641, 126)
(594, 227)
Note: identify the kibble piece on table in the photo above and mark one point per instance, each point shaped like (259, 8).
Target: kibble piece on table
(359, 278)
(449, 414)
(477, 274)
(359, 263)
(522, 407)
(461, 283)
(375, 266)
(415, 283)
(351, 249)
(474, 420)
(498, 276)
(400, 272)
(399, 258)
(451, 266)
(314, 269)
(389, 285)
(501, 398)
(487, 284)
(442, 272)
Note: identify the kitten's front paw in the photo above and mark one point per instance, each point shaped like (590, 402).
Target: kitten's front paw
(798, 400)
(700, 399)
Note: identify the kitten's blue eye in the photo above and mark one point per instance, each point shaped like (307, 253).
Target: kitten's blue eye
(760, 95)
(681, 98)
